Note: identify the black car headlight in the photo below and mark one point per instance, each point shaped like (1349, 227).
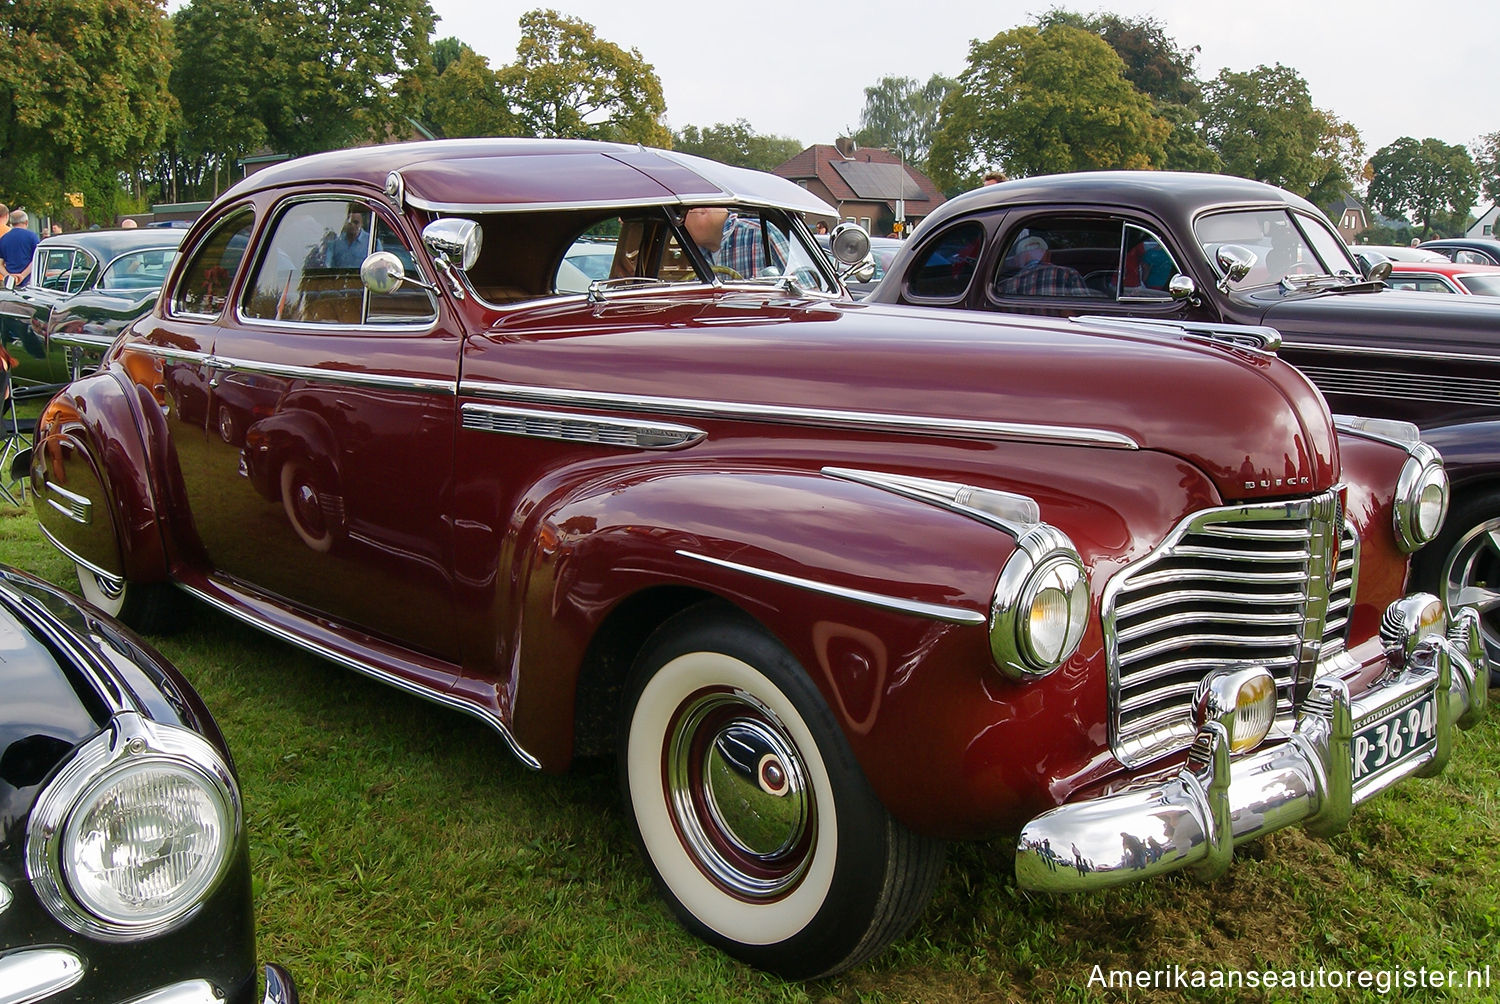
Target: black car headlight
(1421, 498)
(135, 833)
(1041, 605)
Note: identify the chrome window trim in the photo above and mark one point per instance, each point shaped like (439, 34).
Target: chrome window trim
(276, 215)
(915, 608)
(174, 248)
(919, 425)
(168, 297)
(488, 717)
(573, 428)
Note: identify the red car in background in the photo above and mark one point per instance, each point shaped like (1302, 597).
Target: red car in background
(1445, 277)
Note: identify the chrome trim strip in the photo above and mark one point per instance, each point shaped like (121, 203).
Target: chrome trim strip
(349, 378)
(1383, 430)
(578, 428)
(461, 208)
(38, 973)
(916, 608)
(170, 352)
(349, 662)
(78, 508)
(113, 578)
(1466, 357)
(5, 897)
(916, 425)
(948, 495)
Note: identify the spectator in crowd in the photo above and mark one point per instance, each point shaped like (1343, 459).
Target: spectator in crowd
(16, 249)
(993, 178)
(822, 228)
(1035, 276)
(736, 245)
(4, 219)
(127, 224)
(55, 230)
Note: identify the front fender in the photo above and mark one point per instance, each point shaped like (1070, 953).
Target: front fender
(89, 472)
(859, 583)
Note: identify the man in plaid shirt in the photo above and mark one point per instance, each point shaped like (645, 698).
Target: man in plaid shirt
(736, 244)
(1037, 277)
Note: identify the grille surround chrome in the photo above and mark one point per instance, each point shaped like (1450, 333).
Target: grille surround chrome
(1264, 584)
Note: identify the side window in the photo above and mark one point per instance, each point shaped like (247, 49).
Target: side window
(309, 272)
(204, 285)
(138, 270)
(1146, 266)
(409, 304)
(1061, 258)
(55, 268)
(943, 269)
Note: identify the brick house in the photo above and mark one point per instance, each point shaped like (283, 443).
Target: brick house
(865, 186)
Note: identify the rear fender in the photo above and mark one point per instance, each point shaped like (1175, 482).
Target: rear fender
(89, 473)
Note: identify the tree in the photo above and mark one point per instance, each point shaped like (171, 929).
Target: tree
(568, 82)
(1487, 161)
(83, 98)
(1153, 61)
(1429, 182)
(901, 115)
(1263, 125)
(1340, 160)
(736, 143)
(465, 97)
(1038, 101)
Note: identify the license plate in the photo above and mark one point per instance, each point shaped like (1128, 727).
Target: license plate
(1403, 734)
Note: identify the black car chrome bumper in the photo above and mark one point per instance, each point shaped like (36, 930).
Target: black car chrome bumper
(1343, 751)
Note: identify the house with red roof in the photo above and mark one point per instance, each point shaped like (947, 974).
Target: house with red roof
(871, 187)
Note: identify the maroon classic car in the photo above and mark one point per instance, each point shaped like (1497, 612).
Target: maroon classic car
(1204, 247)
(836, 582)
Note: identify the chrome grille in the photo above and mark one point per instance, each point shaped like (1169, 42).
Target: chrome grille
(1232, 587)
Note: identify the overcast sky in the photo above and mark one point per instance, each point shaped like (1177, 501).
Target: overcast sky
(1420, 69)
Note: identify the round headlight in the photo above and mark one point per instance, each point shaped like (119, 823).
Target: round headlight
(145, 843)
(1041, 605)
(135, 832)
(1421, 498)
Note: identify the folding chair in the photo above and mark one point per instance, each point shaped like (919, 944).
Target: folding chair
(13, 442)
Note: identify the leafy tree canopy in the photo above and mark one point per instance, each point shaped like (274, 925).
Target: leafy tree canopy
(1339, 161)
(1042, 101)
(568, 82)
(465, 97)
(901, 114)
(83, 98)
(1487, 161)
(1153, 61)
(736, 143)
(1263, 125)
(1428, 181)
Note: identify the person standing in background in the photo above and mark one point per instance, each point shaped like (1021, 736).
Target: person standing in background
(16, 249)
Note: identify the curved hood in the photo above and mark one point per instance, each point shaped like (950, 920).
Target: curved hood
(1394, 317)
(1250, 422)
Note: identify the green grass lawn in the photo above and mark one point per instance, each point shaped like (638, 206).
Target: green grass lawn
(401, 854)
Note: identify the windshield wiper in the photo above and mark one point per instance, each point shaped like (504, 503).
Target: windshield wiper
(598, 286)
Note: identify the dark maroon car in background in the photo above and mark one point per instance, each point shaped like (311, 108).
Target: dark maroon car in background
(1176, 247)
(837, 582)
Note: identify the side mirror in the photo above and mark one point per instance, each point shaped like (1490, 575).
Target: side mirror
(382, 272)
(1235, 261)
(1379, 272)
(1181, 287)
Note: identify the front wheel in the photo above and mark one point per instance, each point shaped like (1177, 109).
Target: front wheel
(1462, 566)
(755, 817)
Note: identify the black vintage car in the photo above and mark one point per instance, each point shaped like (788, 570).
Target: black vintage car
(124, 865)
(1466, 250)
(85, 287)
(1207, 249)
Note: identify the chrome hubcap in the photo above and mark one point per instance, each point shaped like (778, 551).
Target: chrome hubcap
(739, 795)
(1472, 578)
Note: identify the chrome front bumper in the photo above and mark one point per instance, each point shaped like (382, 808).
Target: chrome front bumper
(1193, 818)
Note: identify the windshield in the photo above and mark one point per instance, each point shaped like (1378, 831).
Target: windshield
(1284, 244)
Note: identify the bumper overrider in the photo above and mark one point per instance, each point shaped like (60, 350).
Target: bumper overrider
(1342, 751)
